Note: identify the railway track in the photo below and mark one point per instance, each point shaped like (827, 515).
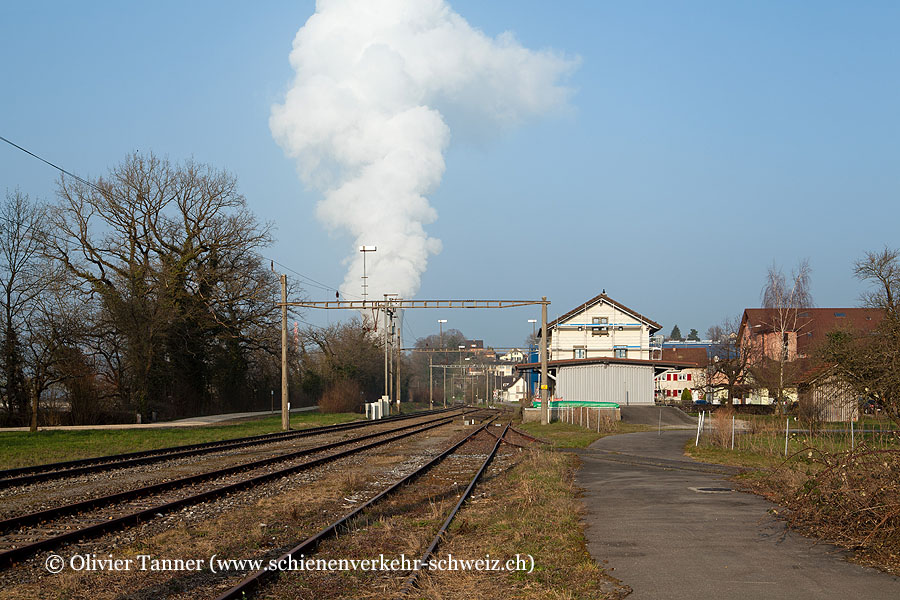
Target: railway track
(42, 530)
(61, 470)
(253, 583)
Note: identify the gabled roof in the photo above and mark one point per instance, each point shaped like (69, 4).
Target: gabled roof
(691, 355)
(653, 325)
(813, 324)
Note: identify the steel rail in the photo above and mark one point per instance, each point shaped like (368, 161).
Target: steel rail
(62, 470)
(52, 513)
(504, 440)
(10, 556)
(423, 562)
(525, 435)
(252, 582)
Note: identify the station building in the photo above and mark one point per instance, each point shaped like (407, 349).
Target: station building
(599, 355)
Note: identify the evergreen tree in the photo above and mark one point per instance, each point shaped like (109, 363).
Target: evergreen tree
(676, 334)
(693, 336)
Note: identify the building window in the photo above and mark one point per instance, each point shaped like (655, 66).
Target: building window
(621, 353)
(599, 330)
(579, 352)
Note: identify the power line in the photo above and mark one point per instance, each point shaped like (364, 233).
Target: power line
(316, 283)
(55, 166)
(310, 280)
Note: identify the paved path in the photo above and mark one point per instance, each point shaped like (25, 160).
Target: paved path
(664, 416)
(670, 542)
(189, 422)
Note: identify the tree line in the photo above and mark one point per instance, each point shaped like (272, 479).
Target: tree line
(142, 292)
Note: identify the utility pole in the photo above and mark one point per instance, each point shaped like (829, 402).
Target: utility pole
(430, 382)
(285, 404)
(399, 355)
(365, 278)
(391, 358)
(386, 377)
(545, 389)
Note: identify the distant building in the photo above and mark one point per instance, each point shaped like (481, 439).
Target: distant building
(514, 356)
(670, 385)
(807, 329)
(514, 390)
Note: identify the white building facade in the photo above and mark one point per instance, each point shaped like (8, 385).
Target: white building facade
(601, 328)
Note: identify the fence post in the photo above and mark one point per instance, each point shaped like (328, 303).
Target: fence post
(787, 423)
(699, 425)
(852, 435)
(732, 432)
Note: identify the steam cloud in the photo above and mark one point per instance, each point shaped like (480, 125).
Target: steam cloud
(365, 118)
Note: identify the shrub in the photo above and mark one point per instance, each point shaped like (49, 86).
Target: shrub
(343, 395)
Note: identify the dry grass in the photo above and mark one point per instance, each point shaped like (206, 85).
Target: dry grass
(532, 509)
(848, 497)
(566, 435)
(721, 428)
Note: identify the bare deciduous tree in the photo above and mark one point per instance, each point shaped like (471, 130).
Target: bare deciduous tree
(25, 276)
(870, 362)
(783, 300)
(341, 352)
(170, 255)
(727, 370)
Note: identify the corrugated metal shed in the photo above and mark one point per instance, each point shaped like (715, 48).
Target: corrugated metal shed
(624, 384)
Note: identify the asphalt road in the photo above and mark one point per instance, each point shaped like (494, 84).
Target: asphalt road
(665, 416)
(670, 542)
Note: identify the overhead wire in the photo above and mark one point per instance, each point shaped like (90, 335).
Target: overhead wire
(55, 166)
(309, 281)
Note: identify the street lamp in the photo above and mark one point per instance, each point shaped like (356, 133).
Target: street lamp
(365, 283)
(461, 348)
(441, 325)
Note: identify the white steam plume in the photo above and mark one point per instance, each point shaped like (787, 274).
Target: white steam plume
(365, 118)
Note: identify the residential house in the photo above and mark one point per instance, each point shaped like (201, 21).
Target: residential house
(671, 384)
(514, 356)
(794, 337)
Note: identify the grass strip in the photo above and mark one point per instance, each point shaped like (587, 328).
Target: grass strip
(22, 449)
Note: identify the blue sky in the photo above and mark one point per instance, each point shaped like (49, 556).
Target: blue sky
(703, 141)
